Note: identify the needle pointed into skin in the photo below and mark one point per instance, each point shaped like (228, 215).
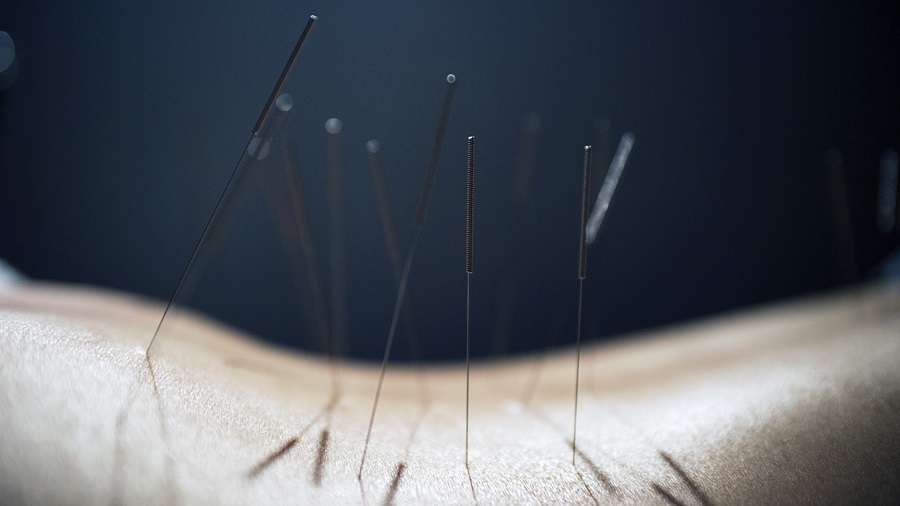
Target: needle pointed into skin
(260, 141)
(470, 210)
(582, 261)
(257, 139)
(421, 209)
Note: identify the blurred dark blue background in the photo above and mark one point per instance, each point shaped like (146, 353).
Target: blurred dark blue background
(127, 119)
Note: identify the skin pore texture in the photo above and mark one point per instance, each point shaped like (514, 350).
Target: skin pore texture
(793, 403)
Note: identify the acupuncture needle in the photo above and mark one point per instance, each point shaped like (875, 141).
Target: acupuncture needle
(256, 134)
(582, 261)
(421, 209)
(260, 140)
(470, 210)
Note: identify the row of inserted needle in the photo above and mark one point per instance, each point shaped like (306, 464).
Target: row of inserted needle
(590, 225)
(264, 131)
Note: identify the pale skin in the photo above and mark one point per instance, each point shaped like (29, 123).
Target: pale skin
(795, 403)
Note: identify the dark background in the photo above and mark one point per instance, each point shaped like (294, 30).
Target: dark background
(128, 118)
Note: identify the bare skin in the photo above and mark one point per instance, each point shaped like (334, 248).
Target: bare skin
(795, 403)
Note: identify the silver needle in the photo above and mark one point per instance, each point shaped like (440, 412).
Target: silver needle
(273, 98)
(470, 208)
(424, 196)
(582, 261)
